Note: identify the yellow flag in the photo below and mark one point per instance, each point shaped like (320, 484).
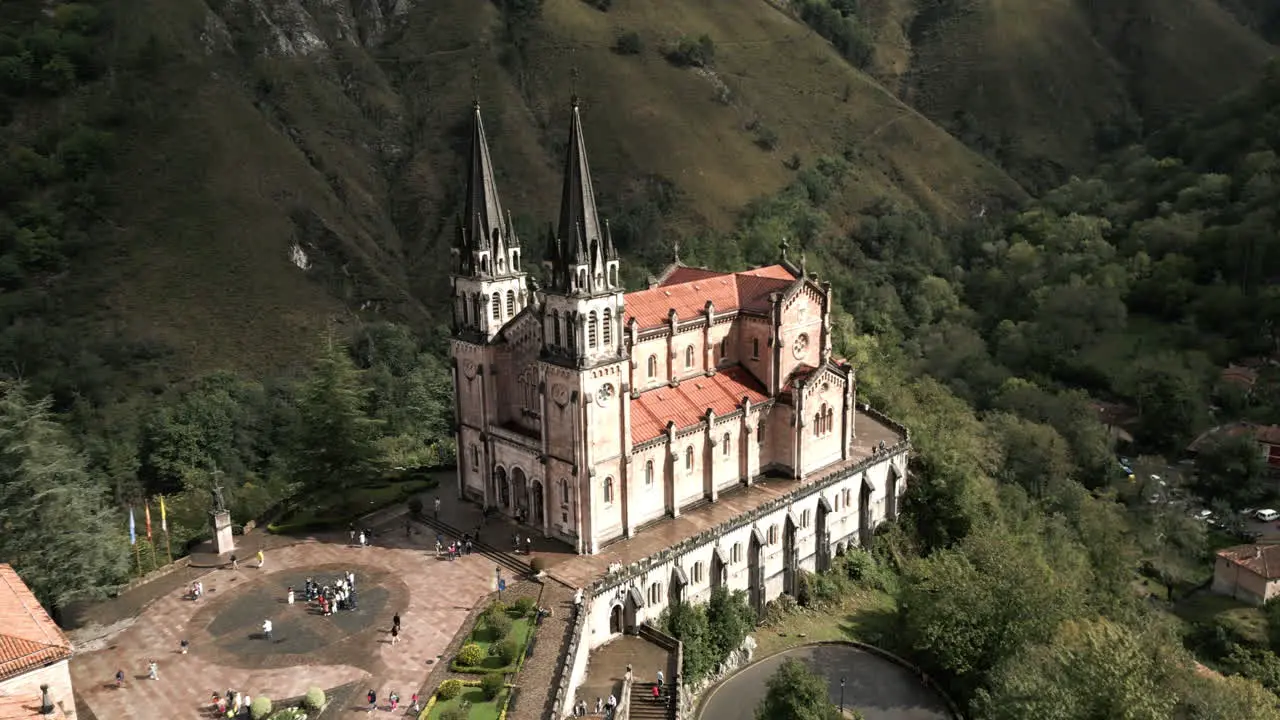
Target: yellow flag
(163, 524)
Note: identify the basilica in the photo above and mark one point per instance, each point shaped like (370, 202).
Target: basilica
(592, 412)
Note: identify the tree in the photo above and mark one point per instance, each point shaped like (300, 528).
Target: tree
(1235, 697)
(729, 618)
(1231, 469)
(1171, 405)
(338, 444)
(1090, 669)
(688, 624)
(796, 693)
(56, 526)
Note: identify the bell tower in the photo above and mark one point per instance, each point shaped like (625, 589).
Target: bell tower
(488, 280)
(582, 315)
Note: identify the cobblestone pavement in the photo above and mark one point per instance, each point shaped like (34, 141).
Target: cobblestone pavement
(432, 596)
(540, 675)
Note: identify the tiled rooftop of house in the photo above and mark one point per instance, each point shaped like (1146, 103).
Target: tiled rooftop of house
(687, 403)
(687, 290)
(29, 639)
(581, 570)
(1262, 560)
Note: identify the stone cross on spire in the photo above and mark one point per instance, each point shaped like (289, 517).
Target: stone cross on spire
(784, 245)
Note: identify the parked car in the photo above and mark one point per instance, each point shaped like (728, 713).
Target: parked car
(1202, 515)
(1266, 515)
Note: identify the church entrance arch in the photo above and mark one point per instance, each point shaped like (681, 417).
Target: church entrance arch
(755, 572)
(822, 553)
(718, 570)
(536, 502)
(631, 610)
(504, 487)
(790, 557)
(891, 495)
(521, 489)
(615, 619)
(865, 528)
(675, 591)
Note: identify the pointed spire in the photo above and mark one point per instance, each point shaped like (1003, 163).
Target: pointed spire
(579, 221)
(482, 211)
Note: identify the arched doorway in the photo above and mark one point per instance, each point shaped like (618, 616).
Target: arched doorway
(718, 570)
(790, 557)
(755, 574)
(822, 553)
(891, 495)
(520, 486)
(615, 619)
(536, 503)
(865, 527)
(504, 488)
(631, 610)
(675, 591)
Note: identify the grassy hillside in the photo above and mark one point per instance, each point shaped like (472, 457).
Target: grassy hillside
(255, 127)
(1043, 85)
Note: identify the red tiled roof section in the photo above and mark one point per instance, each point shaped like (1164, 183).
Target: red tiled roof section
(687, 403)
(29, 639)
(687, 291)
(1263, 560)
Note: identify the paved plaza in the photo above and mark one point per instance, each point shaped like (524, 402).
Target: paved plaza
(433, 598)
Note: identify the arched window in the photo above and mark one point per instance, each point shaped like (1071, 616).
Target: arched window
(817, 424)
(555, 327)
(497, 306)
(653, 366)
(773, 535)
(606, 327)
(648, 473)
(688, 357)
(655, 594)
(735, 554)
(592, 321)
(755, 348)
(511, 303)
(725, 444)
(804, 518)
(571, 325)
(564, 490)
(608, 490)
(831, 419)
(688, 458)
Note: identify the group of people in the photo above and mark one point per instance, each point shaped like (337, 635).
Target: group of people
(361, 538)
(233, 704)
(341, 595)
(393, 701)
(456, 548)
(608, 706)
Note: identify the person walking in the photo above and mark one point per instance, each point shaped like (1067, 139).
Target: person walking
(395, 621)
(153, 670)
(415, 703)
(660, 678)
(289, 596)
(184, 645)
(261, 559)
(373, 700)
(437, 508)
(395, 634)
(266, 629)
(119, 678)
(235, 563)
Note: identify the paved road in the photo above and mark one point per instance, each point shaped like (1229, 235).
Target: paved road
(877, 687)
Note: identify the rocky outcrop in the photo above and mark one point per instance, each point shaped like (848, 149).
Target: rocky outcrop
(691, 693)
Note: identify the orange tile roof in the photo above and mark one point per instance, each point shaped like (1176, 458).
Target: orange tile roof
(1263, 560)
(687, 404)
(29, 639)
(687, 290)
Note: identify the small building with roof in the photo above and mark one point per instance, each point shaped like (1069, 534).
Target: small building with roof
(1248, 573)
(34, 656)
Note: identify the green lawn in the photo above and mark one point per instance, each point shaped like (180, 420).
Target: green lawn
(481, 709)
(521, 628)
(864, 615)
(1205, 607)
(340, 508)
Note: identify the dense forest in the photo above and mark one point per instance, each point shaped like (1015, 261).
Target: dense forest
(1028, 575)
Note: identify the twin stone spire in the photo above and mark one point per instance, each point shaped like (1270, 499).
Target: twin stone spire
(578, 249)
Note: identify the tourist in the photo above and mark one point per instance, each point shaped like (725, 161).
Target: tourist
(235, 564)
(266, 629)
(120, 678)
(351, 530)
(577, 597)
(660, 678)
(363, 540)
(599, 704)
(351, 579)
(657, 694)
(153, 670)
(373, 700)
(245, 702)
(528, 545)
(437, 508)
(395, 700)
(288, 597)
(395, 634)
(219, 705)
(395, 621)
(439, 547)
(184, 645)
(261, 559)
(415, 703)
(468, 542)
(628, 675)
(517, 543)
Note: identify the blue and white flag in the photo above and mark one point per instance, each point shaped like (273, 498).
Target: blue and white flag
(133, 534)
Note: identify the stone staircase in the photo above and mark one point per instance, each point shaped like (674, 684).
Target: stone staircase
(508, 560)
(644, 706)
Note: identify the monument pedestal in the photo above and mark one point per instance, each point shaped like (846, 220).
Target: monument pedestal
(222, 532)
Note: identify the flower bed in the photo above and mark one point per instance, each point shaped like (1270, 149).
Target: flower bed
(495, 644)
(472, 699)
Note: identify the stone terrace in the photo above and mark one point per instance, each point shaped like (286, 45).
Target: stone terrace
(579, 571)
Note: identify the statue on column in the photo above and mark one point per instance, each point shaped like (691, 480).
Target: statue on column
(219, 504)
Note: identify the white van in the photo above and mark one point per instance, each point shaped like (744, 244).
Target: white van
(1266, 515)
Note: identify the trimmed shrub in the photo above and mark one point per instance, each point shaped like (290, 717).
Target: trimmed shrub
(524, 606)
(538, 564)
(449, 689)
(313, 700)
(470, 655)
(492, 684)
(260, 708)
(507, 651)
(498, 625)
(453, 713)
